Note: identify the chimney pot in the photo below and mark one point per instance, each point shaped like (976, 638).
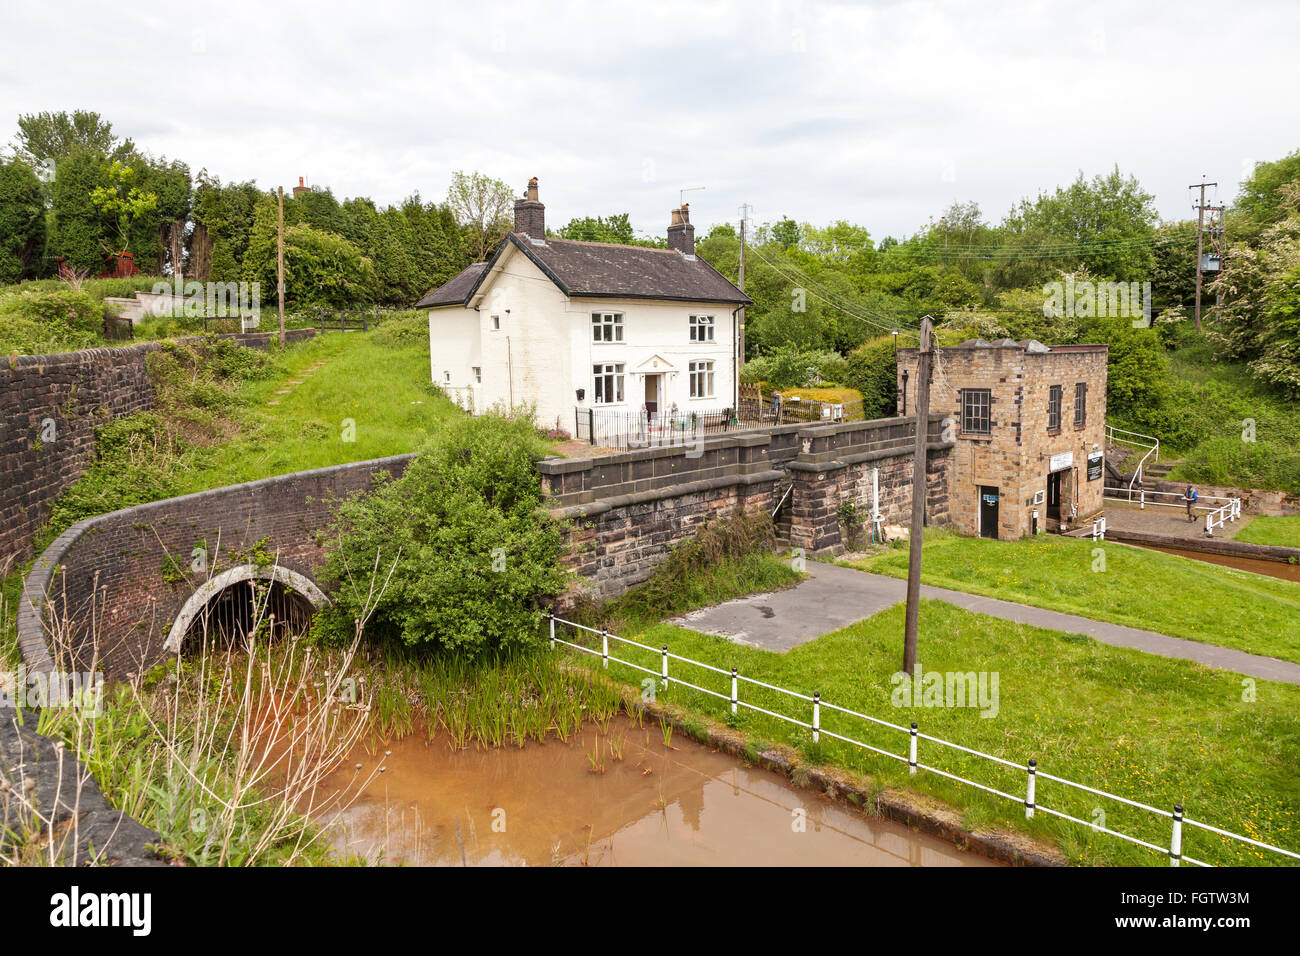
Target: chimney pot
(530, 213)
(681, 234)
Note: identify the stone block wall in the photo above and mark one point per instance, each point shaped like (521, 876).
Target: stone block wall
(66, 397)
(1016, 456)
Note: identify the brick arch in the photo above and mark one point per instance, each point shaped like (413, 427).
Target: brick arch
(299, 583)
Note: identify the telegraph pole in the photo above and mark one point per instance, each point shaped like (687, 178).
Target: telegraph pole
(924, 356)
(280, 264)
(740, 331)
(1200, 236)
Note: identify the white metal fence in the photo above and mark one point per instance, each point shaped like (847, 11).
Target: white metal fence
(814, 705)
(1216, 515)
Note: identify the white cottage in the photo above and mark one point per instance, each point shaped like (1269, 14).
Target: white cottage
(567, 327)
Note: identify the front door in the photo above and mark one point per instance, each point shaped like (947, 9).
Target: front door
(1054, 496)
(652, 394)
(988, 512)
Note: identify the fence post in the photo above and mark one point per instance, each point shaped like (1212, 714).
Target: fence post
(1176, 843)
(735, 696)
(1029, 793)
(1209, 524)
(551, 615)
(817, 715)
(1144, 500)
(604, 647)
(911, 751)
(591, 425)
(665, 668)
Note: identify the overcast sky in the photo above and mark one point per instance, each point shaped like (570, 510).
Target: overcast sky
(879, 113)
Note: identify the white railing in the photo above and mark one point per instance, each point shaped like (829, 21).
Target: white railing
(1137, 440)
(814, 705)
(1226, 509)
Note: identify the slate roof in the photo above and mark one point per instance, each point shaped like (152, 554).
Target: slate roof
(452, 292)
(604, 270)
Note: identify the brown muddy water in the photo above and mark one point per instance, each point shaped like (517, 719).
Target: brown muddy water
(544, 804)
(1274, 569)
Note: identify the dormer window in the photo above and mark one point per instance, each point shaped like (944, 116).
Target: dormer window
(607, 326)
(702, 328)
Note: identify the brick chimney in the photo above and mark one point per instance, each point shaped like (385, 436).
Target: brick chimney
(300, 188)
(681, 234)
(530, 213)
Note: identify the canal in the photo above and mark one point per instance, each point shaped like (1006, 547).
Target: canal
(622, 796)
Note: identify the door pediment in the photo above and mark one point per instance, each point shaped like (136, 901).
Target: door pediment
(654, 365)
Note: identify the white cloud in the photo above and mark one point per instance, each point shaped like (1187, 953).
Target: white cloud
(882, 113)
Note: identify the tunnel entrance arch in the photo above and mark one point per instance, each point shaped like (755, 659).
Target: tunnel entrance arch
(235, 584)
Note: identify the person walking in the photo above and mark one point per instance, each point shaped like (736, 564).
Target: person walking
(1190, 497)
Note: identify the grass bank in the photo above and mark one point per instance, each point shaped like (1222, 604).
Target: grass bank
(1151, 729)
(1137, 587)
(1265, 529)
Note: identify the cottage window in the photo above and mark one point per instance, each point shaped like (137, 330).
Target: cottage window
(609, 383)
(701, 374)
(478, 375)
(1054, 408)
(1080, 403)
(496, 323)
(446, 377)
(975, 404)
(702, 328)
(607, 327)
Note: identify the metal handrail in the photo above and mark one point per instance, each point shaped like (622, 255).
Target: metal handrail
(1173, 851)
(1150, 442)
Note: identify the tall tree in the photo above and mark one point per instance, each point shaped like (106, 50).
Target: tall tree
(22, 222)
(482, 205)
(45, 138)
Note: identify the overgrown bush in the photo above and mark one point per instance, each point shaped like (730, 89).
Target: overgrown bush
(790, 367)
(873, 371)
(464, 553)
(45, 321)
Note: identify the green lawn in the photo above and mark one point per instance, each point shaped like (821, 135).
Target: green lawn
(1151, 729)
(366, 400)
(1140, 588)
(1263, 529)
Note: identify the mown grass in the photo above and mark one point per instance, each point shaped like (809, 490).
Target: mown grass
(1138, 587)
(1151, 729)
(1267, 529)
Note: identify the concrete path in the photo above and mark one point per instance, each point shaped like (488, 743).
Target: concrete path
(834, 597)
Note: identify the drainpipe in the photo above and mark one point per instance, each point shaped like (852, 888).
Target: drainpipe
(735, 361)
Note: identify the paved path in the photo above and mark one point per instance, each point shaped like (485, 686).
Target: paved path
(1157, 519)
(834, 597)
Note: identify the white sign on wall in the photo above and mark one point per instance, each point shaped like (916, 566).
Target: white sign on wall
(1060, 462)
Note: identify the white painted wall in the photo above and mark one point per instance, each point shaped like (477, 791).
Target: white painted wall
(544, 351)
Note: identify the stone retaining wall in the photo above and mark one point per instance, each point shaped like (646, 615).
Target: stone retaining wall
(50, 407)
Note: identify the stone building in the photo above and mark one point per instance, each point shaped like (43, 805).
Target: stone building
(1028, 422)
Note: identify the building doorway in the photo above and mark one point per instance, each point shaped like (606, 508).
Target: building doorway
(653, 384)
(988, 511)
(1054, 497)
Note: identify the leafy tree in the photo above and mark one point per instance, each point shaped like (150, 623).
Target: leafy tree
(320, 268)
(873, 371)
(22, 222)
(49, 138)
(482, 205)
(1261, 201)
(222, 217)
(462, 540)
(120, 198)
(617, 228)
(785, 233)
(79, 230)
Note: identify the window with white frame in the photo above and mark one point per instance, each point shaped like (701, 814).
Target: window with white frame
(607, 326)
(701, 375)
(609, 383)
(446, 376)
(701, 328)
(478, 375)
(496, 322)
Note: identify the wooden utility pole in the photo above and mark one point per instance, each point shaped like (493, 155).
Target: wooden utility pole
(740, 323)
(1200, 232)
(924, 355)
(280, 264)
